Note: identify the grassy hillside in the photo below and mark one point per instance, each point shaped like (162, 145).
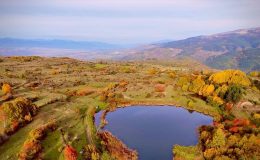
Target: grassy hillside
(247, 60)
(64, 94)
(236, 49)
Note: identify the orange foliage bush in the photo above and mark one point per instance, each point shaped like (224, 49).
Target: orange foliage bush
(228, 106)
(28, 118)
(84, 92)
(70, 153)
(241, 122)
(31, 150)
(116, 148)
(15, 125)
(234, 129)
(6, 88)
(159, 88)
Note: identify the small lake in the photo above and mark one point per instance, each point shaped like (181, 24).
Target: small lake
(153, 130)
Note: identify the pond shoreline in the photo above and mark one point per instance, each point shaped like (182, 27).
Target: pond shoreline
(150, 104)
(103, 122)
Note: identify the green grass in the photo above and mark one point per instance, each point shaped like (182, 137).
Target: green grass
(187, 152)
(100, 66)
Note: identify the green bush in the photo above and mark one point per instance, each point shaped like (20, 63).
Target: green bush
(234, 93)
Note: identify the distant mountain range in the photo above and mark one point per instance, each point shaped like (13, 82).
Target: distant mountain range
(57, 43)
(235, 49)
(238, 49)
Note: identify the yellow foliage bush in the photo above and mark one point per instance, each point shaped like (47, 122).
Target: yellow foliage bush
(254, 73)
(152, 71)
(230, 77)
(209, 153)
(197, 84)
(218, 100)
(207, 90)
(221, 90)
(171, 74)
(257, 116)
(182, 81)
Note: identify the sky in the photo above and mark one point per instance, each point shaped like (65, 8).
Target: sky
(124, 21)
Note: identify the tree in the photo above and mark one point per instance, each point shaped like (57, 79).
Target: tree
(230, 77)
(207, 90)
(221, 90)
(197, 84)
(234, 93)
(17, 109)
(182, 81)
(219, 139)
(70, 153)
(30, 150)
(6, 88)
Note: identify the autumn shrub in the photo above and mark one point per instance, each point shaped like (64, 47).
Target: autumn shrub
(127, 69)
(185, 87)
(237, 140)
(91, 152)
(18, 109)
(219, 139)
(190, 104)
(186, 152)
(172, 74)
(209, 153)
(6, 88)
(32, 147)
(106, 156)
(228, 106)
(254, 73)
(159, 87)
(113, 93)
(116, 148)
(196, 84)
(207, 90)
(148, 95)
(221, 90)
(182, 81)
(234, 93)
(31, 150)
(84, 92)
(215, 102)
(230, 77)
(152, 71)
(70, 153)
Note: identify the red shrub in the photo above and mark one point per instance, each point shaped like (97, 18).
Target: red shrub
(15, 125)
(228, 106)
(241, 122)
(234, 129)
(70, 153)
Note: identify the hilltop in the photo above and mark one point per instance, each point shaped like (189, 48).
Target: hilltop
(235, 49)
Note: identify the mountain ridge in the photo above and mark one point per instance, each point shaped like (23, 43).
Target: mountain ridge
(232, 49)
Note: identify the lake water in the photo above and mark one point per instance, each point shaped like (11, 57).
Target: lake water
(153, 130)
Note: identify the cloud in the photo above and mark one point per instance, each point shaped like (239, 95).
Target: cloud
(130, 21)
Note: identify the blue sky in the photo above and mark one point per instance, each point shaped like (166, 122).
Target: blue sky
(124, 21)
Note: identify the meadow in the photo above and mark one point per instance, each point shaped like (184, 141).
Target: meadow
(48, 106)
